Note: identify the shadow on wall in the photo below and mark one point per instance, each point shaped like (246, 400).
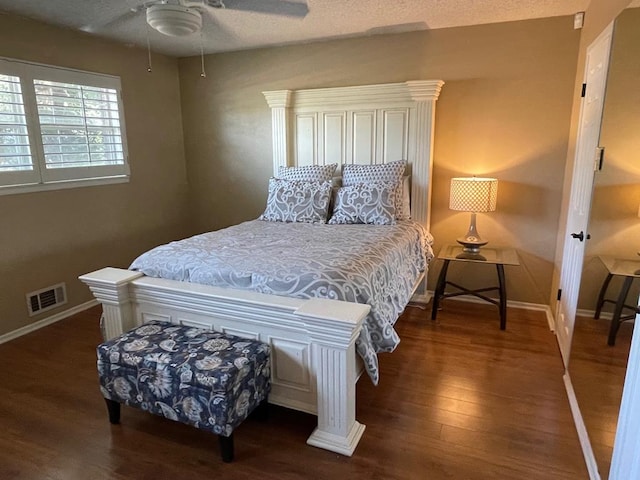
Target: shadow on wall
(519, 221)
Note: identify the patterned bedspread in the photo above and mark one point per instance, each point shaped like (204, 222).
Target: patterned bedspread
(373, 264)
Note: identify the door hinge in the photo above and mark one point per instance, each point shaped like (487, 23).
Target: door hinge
(584, 90)
(559, 294)
(597, 166)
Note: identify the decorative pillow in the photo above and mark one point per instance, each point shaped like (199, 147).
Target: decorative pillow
(353, 174)
(297, 201)
(372, 203)
(308, 173)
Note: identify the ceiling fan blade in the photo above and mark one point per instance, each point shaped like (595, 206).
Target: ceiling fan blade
(113, 22)
(212, 23)
(271, 7)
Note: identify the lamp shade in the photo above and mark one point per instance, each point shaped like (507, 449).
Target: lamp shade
(473, 194)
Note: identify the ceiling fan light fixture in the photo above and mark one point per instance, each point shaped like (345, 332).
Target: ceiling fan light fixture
(174, 20)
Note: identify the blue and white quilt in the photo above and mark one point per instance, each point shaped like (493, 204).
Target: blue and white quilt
(376, 265)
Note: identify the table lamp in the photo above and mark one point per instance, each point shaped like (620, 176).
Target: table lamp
(473, 194)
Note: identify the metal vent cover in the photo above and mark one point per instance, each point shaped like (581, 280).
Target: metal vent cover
(46, 299)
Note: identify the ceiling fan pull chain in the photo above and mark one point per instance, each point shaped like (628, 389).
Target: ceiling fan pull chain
(149, 69)
(203, 74)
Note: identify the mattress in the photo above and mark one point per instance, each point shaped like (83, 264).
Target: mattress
(377, 265)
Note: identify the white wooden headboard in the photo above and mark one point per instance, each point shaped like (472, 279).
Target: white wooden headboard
(361, 124)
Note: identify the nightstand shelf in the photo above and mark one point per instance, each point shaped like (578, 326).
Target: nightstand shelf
(488, 255)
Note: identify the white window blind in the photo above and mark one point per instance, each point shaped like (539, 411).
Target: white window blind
(80, 125)
(59, 125)
(15, 152)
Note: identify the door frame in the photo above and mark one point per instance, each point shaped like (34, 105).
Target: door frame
(583, 171)
(625, 462)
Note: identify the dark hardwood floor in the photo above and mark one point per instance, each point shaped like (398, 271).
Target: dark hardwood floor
(458, 399)
(597, 373)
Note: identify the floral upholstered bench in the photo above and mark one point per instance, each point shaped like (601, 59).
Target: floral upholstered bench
(206, 379)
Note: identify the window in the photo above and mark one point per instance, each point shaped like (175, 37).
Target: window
(15, 152)
(59, 128)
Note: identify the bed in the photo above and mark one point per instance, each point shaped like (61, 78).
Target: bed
(314, 340)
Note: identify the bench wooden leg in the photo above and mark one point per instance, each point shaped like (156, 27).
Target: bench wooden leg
(114, 411)
(226, 448)
(261, 412)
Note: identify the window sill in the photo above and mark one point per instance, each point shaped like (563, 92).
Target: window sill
(40, 187)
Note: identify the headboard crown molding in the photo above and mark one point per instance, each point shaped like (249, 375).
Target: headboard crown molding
(278, 98)
(424, 90)
(415, 90)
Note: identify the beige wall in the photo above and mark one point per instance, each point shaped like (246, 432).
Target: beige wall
(504, 111)
(614, 225)
(50, 237)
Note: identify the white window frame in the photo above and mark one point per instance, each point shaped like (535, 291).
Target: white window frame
(41, 178)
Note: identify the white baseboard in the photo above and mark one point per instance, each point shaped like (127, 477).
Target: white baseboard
(538, 307)
(587, 450)
(47, 321)
(581, 312)
(421, 298)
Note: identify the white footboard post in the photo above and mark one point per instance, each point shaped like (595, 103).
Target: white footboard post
(110, 286)
(333, 328)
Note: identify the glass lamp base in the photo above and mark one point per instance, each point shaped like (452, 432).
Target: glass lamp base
(471, 244)
(471, 241)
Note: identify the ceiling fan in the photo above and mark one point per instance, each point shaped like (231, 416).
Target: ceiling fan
(177, 18)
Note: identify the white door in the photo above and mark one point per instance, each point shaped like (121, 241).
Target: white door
(596, 68)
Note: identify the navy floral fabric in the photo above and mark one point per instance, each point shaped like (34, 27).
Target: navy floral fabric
(206, 379)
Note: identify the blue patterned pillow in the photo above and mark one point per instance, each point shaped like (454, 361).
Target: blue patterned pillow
(308, 173)
(372, 203)
(297, 201)
(353, 174)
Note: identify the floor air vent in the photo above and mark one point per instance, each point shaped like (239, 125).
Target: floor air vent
(46, 299)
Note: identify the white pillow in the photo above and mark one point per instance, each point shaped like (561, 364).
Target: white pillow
(297, 201)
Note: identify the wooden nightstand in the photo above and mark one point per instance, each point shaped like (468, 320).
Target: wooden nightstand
(488, 255)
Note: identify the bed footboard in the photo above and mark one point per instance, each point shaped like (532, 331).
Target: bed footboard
(314, 364)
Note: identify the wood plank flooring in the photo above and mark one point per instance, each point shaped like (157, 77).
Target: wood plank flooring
(458, 399)
(597, 373)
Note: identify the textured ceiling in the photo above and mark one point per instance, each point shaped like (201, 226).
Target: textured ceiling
(227, 30)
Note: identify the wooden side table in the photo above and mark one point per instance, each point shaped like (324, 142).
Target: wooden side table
(494, 256)
(630, 270)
